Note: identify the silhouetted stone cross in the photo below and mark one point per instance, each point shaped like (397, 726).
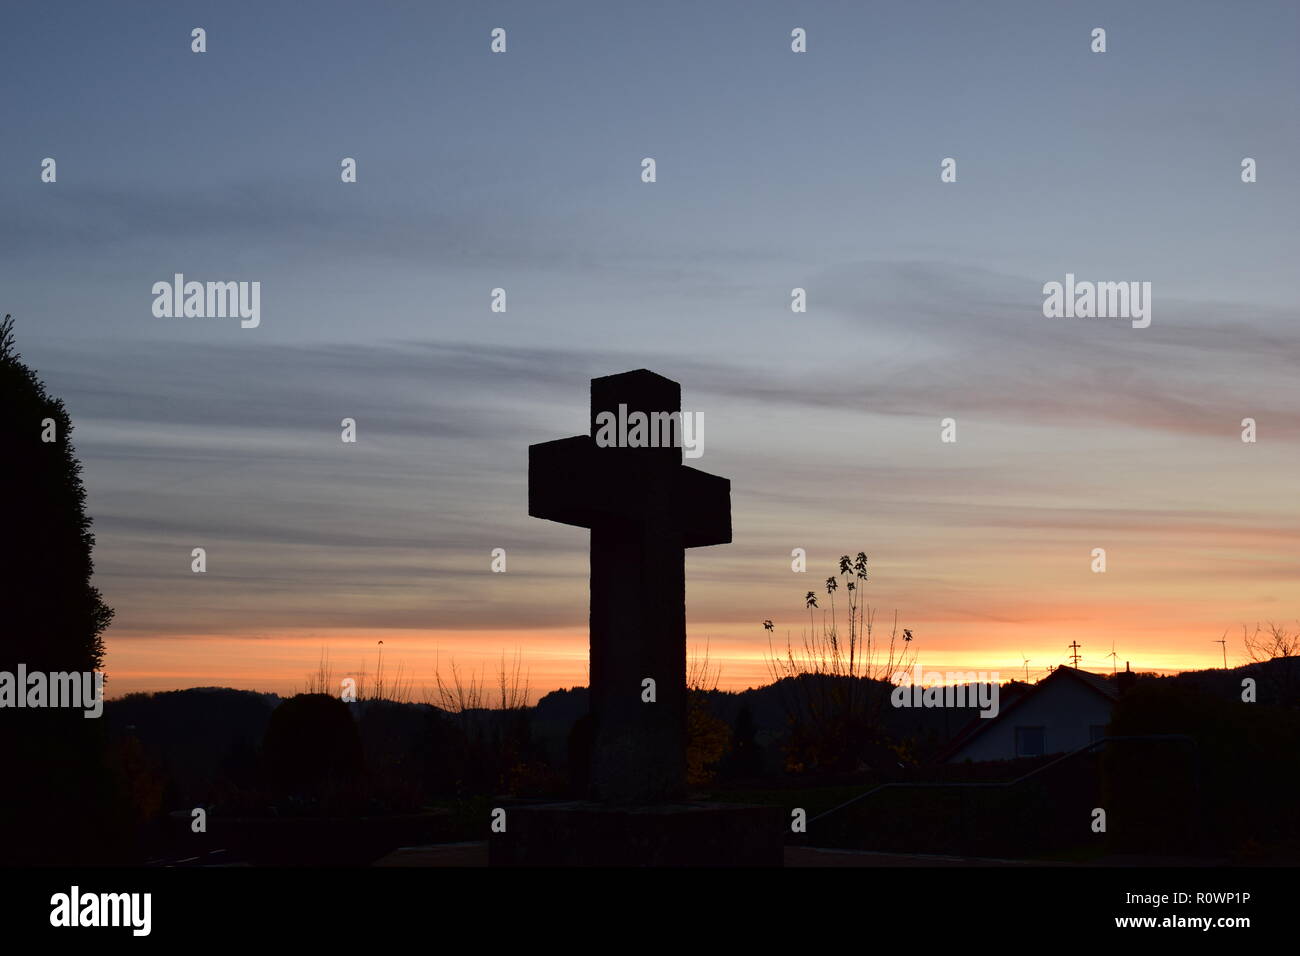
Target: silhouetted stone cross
(644, 508)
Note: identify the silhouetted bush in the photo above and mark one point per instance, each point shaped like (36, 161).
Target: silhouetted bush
(312, 747)
(708, 738)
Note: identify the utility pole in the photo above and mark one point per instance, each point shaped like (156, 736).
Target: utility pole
(1075, 656)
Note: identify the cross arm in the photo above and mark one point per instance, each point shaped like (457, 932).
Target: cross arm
(574, 482)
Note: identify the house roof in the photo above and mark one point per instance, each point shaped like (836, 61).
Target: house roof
(1095, 681)
(977, 725)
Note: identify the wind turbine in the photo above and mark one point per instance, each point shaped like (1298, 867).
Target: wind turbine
(1114, 664)
(1026, 661)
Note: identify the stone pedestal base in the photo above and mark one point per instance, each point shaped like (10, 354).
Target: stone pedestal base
(671, 834)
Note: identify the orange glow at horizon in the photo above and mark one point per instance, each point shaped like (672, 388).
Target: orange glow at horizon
(284, 661)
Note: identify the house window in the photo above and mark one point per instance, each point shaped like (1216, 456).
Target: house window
(1096, 732)
(1030, 741)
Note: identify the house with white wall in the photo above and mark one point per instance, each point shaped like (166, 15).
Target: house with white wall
(1064, 711)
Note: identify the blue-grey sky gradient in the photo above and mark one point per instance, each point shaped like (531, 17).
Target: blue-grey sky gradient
(775, 170)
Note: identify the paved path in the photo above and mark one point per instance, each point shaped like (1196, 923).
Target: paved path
(441, 854)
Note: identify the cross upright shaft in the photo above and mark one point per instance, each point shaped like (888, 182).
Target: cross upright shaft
(644, 508)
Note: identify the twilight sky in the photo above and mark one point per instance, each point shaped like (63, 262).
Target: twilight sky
(775, 170)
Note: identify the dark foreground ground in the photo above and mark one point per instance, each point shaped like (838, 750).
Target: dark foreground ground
(476, 854)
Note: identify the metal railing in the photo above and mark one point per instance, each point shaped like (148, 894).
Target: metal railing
(1002, 784)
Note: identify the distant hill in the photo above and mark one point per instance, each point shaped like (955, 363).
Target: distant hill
(196, 734)
(202, 734)
(1277, 681)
